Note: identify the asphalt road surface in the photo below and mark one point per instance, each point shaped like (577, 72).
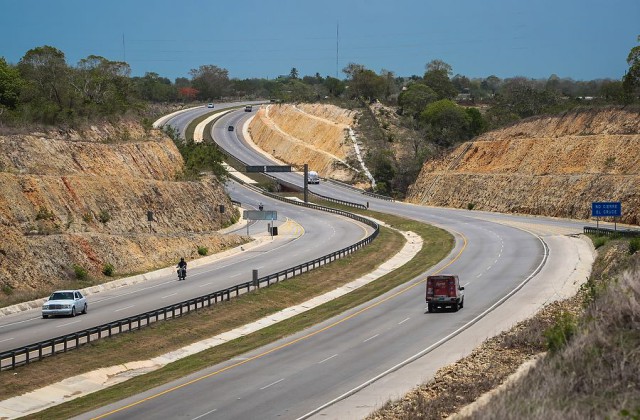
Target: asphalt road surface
(494, 255)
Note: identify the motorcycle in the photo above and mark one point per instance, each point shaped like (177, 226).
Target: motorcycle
(182, 273)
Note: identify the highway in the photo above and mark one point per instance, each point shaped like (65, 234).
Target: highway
(493, 256)
(315, 233)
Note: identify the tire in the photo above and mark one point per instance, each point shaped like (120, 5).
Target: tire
(462, 304)
(45, 316)
(456, 307)
(73, 311)
(84, 310)
(429, 307)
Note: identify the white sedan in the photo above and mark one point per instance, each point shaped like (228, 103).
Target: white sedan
(65, 302)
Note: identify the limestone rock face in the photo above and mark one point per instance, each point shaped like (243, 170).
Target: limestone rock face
(82, 198)
(553, 165)
(307, 133)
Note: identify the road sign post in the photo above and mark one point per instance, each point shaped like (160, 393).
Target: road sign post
(259, 215)
(606, 209)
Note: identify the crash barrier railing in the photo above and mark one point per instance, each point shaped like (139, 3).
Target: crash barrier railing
(361, 191)
(627, 233)
(35, 352)
(323, 197)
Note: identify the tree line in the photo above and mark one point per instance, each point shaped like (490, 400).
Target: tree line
(42, 87)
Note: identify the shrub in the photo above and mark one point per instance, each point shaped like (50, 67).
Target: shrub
(104, 216)
(598, 241)
(559, 334)
(81, 273)
(107, 270)
(87, 217)
(7, 289)
(470, 206)
(147, 124)
(634, 245)
(203, 250)
(44, 213)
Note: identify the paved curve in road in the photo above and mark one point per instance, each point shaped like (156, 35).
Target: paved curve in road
(294, 376)
(323, 233)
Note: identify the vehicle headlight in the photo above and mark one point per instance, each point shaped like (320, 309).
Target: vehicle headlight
(45, 306)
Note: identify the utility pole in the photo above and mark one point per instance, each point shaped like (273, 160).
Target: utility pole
(337, 45)
(306, 182)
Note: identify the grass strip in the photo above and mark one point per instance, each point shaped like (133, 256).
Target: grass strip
(167, 336)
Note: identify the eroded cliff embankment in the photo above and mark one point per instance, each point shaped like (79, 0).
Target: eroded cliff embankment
(82, 199)
(306, 133)
(553, 165)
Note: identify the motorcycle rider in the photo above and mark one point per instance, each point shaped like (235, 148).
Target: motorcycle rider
(183, 265)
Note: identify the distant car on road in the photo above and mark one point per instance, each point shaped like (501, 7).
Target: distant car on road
(65, 302)
(209, 105)
(248, 108)
(230, 128)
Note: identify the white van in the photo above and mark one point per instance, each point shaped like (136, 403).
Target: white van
(312, 177)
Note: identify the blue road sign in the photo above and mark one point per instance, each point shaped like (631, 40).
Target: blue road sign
(260, 215)
(606, 209)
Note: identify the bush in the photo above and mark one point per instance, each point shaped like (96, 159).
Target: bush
(634, 245)
(7, 289)
(44, 214)
(470, 206)
(559, 335)
(104, 216)
(81, 273)
(203, 250)
(107, 270)
(598, 241)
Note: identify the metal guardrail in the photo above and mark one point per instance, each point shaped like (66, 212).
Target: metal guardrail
(625, 233)
(361, 191)
(35, 352)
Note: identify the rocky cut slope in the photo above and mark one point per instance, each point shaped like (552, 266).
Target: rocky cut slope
(82, 199)
(307, 133)
(551, 165)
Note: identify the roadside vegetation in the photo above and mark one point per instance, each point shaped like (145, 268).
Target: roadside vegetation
(435, 110)
(587, 346)
(163, 337)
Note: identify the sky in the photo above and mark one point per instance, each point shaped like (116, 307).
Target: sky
(577, 39)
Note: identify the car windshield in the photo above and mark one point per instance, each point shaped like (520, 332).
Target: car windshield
(62, 296)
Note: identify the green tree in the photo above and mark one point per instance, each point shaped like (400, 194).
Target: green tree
(293, 74)
(46, 72)
(440, 66)
(491, 84)
(154, 88)
(524, 98)
(389, 82)
(10, 85)
(437, 78)
(210, 81)
(415, 98)
(334, 86)
(102, 82)
(364, 83)
(383, 170)
(631, 80)
(446, 122)
(477, 123)
(612, 91)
